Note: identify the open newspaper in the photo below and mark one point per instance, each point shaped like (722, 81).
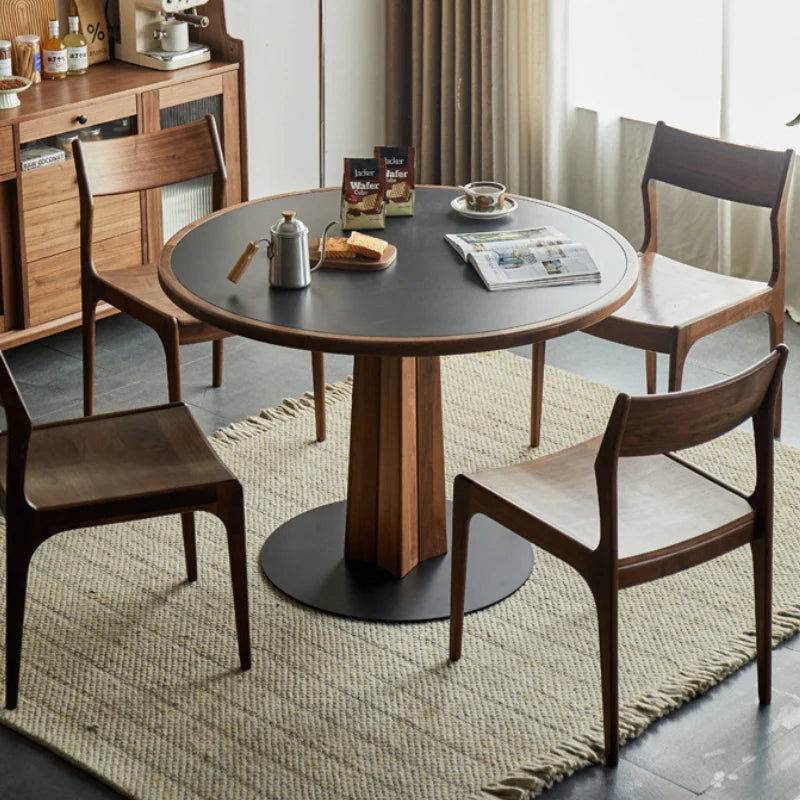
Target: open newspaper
(530, 257)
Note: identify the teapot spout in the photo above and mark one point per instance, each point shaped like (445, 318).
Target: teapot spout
(324, 244)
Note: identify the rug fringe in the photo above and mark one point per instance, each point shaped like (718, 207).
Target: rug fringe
(288, 409)
(566, 758)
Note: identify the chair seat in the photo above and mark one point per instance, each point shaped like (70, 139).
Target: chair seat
(671, 293)
(661, 503)
(110, 459)
(138, 285)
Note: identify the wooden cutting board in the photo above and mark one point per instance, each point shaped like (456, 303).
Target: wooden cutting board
(387, 259)
(25, 16)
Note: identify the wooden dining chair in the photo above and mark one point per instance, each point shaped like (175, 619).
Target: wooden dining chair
(108, 468)
(623, 508)
(135, 164)
(675, 304)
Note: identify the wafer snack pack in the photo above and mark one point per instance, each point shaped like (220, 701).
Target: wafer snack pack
(399, 194)
(363, 191)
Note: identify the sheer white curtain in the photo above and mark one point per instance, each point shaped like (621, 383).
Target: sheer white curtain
(604, 73)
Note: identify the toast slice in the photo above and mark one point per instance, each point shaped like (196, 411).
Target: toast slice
(367, 246)
(337, 247)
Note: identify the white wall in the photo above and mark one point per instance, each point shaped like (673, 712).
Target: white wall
(280, 41)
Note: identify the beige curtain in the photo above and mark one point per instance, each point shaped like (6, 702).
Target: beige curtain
(522, 93)
(439, 86)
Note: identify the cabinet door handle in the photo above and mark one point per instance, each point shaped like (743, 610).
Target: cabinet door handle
(82, 119)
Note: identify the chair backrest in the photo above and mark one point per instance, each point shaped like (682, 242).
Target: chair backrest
(149, 160)
(146, 161)
(665, 423)
(718, 169)
(18, 424)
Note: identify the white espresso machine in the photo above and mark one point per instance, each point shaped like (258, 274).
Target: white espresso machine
(155, 33)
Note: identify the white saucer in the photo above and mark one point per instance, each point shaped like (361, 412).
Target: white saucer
(460, 204)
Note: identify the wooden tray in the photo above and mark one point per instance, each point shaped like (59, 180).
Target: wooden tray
(389, 257)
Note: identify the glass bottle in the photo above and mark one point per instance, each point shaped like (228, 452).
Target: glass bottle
(77, 51)
(54, 54)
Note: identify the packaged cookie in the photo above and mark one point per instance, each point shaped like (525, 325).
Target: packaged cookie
(362, 194)
(399, 194)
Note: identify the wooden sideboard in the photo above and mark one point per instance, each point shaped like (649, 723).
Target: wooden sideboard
(39, 213)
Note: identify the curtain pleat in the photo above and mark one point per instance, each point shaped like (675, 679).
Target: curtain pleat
(520, 124)
(400, 93)
(439, 86)
(483, 150)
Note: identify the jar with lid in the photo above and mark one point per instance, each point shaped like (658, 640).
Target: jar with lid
(90, 134)
(120, 127)
(5, 59)
(64, 142)
(28, 54)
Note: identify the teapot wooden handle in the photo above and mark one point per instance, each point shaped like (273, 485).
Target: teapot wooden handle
(243, 262)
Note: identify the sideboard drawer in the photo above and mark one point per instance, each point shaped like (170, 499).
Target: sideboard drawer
(65, 121)
(54, 283)
(6, 150)
(56, 228)
(49, 185)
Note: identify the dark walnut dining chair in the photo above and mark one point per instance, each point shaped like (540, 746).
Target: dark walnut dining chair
(623, 509)
(675, 304)
(109, 468)
(135, 164)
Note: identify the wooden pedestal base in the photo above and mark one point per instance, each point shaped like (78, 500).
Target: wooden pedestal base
(304, 558)
(383, 555)
(396, 514)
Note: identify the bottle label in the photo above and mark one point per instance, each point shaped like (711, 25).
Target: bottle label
(55, 61)
(5, 67)
(77, 58)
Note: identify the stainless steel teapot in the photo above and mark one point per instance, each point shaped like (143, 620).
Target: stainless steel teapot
(287, 251)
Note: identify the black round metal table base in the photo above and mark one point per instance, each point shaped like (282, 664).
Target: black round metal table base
(304, 558)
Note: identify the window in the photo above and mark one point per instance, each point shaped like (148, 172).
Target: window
(720, 67)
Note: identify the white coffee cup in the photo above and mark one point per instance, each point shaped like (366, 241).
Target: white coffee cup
(172, 35)
(485, 196)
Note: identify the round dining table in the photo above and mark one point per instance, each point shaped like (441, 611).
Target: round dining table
(382, 553)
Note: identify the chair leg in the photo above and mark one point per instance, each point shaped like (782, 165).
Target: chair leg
(776, 320)
(189, 545)
(89, 345)
(17, 563)
(171, 343)
(650, 363)
(537, 390)
(216, 362)
(677, 359)
(231, 511)
(762, 573)
(318, 376)
(458, 573)
(607, 610)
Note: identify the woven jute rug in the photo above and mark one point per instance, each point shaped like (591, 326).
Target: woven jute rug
(131, 673)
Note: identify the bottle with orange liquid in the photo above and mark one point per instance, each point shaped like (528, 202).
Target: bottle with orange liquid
(54, 54)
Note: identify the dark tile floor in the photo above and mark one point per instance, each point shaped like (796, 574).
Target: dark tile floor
(722, 745)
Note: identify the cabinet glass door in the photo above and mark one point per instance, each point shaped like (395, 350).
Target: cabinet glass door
(186, 202)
